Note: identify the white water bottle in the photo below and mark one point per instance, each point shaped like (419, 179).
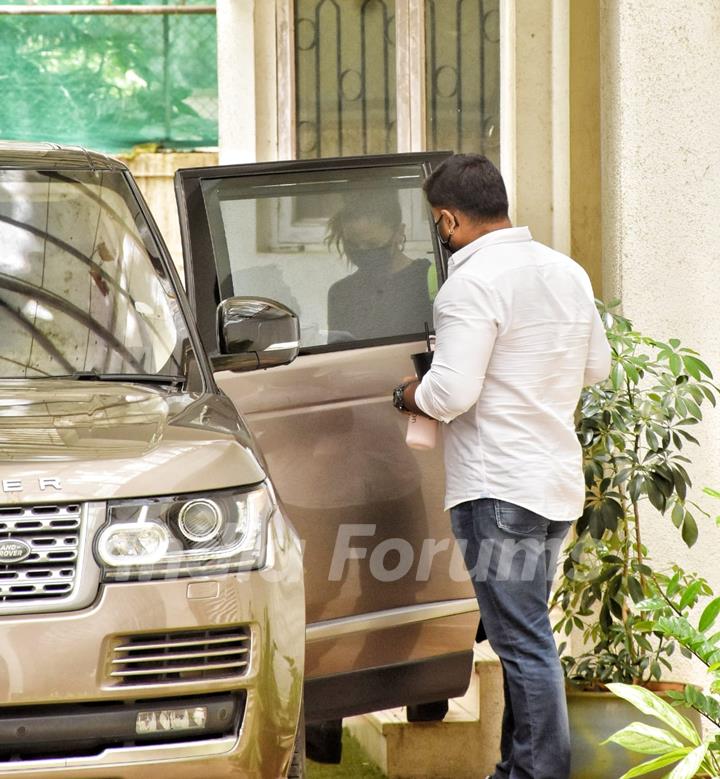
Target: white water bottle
(421, 432)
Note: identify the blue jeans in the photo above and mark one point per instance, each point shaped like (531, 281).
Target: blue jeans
(511, 554)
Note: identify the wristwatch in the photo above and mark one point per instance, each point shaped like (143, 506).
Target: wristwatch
(398, 397)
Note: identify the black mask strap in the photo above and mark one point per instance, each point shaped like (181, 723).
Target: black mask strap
(444, 242)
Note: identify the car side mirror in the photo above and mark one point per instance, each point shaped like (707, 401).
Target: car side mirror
(255, 333)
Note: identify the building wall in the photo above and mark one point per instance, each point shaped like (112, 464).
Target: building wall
(533, 120)
(660, 88)
(585, 199)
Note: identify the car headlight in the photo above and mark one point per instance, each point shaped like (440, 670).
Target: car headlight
(185, 535)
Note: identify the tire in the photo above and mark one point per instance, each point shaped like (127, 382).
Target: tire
(297, 763)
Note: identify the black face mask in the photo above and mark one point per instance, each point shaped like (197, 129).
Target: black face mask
(444, 242)
(375, 259)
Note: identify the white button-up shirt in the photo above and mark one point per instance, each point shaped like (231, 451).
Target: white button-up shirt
(518, 336)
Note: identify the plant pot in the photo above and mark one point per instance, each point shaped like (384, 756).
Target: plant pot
(596, 715)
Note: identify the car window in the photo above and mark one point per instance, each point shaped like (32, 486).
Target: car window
(81, 284)
(349, 251)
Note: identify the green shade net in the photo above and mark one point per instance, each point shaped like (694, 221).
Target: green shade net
(109, 82)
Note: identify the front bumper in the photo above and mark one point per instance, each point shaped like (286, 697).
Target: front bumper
(53, 666)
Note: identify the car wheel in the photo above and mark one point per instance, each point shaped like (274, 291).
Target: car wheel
(297, 764)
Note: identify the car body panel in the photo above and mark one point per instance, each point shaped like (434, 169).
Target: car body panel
(104, 440)
(373, 644)
(336, 451)
(16, 155)
(368, 509)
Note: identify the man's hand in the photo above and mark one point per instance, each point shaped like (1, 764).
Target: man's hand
(412, 383)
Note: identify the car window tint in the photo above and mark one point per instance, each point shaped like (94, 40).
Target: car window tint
(349, 251)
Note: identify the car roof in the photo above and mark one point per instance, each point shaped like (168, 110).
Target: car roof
(17, 155)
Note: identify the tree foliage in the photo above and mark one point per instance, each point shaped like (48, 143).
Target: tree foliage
(635, 429)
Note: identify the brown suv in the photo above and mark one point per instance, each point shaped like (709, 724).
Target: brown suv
(152, 596)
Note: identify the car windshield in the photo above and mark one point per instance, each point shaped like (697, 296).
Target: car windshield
(82, 288)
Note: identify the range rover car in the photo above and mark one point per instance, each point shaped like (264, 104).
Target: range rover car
(151, 586)
(209, 520)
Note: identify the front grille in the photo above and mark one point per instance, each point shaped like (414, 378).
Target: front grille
(53, 535)
(182, 656)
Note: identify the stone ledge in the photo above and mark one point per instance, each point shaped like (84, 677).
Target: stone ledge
(463, 746)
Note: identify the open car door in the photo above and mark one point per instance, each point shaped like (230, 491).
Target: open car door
(348, 244)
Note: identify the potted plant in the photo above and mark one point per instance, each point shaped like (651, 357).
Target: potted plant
(635, 429)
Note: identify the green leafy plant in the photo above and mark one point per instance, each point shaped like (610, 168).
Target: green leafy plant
(679, 742)
(635, 429)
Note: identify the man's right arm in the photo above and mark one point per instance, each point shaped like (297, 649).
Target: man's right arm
(466, 329)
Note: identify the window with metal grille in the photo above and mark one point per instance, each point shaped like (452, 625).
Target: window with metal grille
(377, 76)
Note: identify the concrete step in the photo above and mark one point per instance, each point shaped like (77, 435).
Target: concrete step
(463, 746)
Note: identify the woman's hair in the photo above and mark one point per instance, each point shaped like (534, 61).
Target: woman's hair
(381, 206)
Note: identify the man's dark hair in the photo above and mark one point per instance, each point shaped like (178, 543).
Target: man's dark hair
(471, 184)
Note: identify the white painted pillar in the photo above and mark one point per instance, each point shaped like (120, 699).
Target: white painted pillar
(535, 138)
(660, 91)
(236, 81)
(285, 81)
(560, 69)
(410, 70)
(255, 80)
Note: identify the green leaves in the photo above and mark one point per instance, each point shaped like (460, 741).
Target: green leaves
(678, 742)
(690, 766)
(696, 699)
(676, 364)
(648, 703)
(659, 762)
(679, 628)
(617, 375)
(690, 595)
(656, 497)
(696, 367)
(634, 430)
(646, 739)
(689, 529)
(709, 615)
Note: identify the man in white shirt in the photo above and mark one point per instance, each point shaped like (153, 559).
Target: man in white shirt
(517, 337)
